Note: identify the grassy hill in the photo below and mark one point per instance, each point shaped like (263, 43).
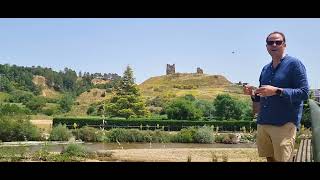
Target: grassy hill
(202, 86)
(82, 102)
(85, 99)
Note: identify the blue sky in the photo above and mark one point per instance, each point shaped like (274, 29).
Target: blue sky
(147, 45)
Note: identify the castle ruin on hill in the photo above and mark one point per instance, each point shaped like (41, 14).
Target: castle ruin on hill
(171, 69)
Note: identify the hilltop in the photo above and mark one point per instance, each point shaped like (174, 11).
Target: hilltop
(202, 86)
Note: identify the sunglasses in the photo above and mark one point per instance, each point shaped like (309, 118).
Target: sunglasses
(278, 43)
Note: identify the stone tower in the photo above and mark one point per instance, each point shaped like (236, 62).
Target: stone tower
(199, 71)
(171, 69)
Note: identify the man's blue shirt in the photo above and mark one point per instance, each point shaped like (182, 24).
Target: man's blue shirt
(290, 74)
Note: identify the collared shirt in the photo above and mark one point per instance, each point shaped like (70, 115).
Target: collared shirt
(290, 74)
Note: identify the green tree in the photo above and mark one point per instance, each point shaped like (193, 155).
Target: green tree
(12, 109)
(19, 96)
(66, 102)
(5, 84)
(36, 104)
(126, 100)
(206, 107)
(69, 79)
(182, 109)
(246, 108)
(189, 97)
(226, 107)
(17, 128)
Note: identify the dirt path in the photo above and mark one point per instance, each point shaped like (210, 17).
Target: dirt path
(46, 125)
(182, 154)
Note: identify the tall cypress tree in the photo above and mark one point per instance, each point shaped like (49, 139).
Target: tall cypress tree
(126, 100)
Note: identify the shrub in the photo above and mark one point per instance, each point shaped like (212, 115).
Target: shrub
(48, 112)
(147, 136)
(218, 138)
(306, 115)
(12, 109)
(51, 110)
(51, 100)
(21, 97)
(60, 133)
(88, 134)
(204, 135)
(42, 154)
(75, 150)
(103, 136)
(135, 135)
(118, 134)
(228, 138)
(248, 137)
(17, 128)
(66, 103)
(185, 135)
(90, 110)
(13, 154)
(36, 104)
(160, 137)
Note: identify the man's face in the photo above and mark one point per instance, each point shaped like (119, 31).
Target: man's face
(275, 45)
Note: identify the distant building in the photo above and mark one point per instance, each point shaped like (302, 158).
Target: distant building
(199, 70)
(171, 69)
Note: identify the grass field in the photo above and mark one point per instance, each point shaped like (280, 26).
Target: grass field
(3, 96)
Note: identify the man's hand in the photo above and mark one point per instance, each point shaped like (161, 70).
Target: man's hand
(266, 90)
(249, 90)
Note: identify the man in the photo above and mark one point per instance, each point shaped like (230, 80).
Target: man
(282, 90)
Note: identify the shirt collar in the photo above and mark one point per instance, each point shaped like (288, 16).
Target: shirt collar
(284, 57)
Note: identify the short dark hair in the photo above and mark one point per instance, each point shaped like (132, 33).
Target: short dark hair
(277, 32)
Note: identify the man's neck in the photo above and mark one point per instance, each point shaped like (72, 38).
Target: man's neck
(276, 60)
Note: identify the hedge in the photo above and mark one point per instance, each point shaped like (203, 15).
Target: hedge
(171, 125)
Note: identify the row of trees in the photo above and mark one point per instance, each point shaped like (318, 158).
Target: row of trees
(223, 107)
(23, 102)
(18, 77)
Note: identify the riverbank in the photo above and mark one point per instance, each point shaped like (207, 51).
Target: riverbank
(187, 154)
(155, 152)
